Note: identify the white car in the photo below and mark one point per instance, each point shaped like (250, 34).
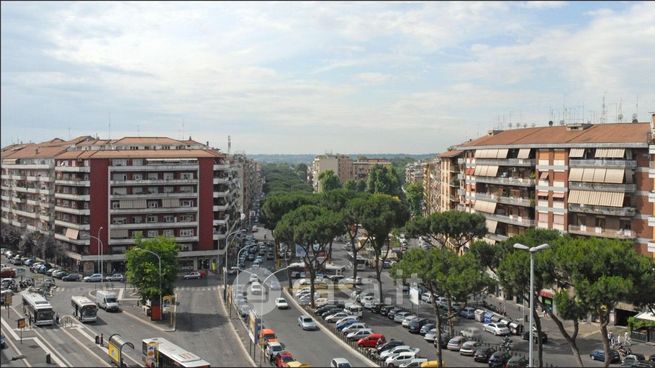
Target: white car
(469, 348)
(340, 363)
(456, 343)
(427, 297)
(367, 299)
(354, 327)
(303, 290)
(193, 276)
(395, 350)
(281, 303)
(400, 316)
(253, 278)
(337, 316)
(471, 332)
(307, 323)
(498, 329)
(431, 335)
(414, 363)
(398, 359)
(408, 319)
(359, 334)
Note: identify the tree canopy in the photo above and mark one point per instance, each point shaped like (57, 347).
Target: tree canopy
(285, 178)
(414, 198)
(143, 267)
(384, 179)
(328, 181)
(452, 229)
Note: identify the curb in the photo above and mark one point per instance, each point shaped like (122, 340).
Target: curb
(233, 329)
(329, 333)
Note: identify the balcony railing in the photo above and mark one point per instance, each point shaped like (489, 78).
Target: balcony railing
(155, 195)
(154, 225)
(511, 219)
(74, 211)
(517, 201)
(628, 164)
(178, 239)
(505, 162)
(73, 168)
(524, 182)
(603, 210)
(625, 188)
(497, 237)
(72, 225)
(76, 197)
(154, 182)
(117, 211)
(601, 232)
(81, 183)
(221, 167)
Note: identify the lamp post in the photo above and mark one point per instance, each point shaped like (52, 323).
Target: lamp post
(159, 259)
(532, 251)
(227, 253)
(100, 250)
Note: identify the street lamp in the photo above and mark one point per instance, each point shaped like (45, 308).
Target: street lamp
(159, 259)
(532, 251)
(227, 253)
(100, 251)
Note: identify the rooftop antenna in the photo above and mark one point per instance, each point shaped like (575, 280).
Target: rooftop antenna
(229, 144)
(619, 115)
(109, 127)
(603, 114)
(183, 122)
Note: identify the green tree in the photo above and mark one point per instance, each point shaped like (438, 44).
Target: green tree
(283, 178)
(10, 236)
(361, 185)
(313, 228)
(350, 185)
(453, 229)
(384, 179)
(329, 181)
(380, 215)
(143, 267)
(29, 243)
(414, 197)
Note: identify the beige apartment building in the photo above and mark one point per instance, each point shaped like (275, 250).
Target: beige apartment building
(343, 167)
(431, 186)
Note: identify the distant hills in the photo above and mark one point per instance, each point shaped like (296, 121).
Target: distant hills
(308, 158)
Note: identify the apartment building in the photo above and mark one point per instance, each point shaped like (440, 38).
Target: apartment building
(343, 167)
(450, 176)
(432, 186)
(582, 179)
(415, 171)
(106, 192)
(250, 184)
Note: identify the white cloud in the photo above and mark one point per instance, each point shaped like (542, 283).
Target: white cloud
(373, 78)
(543, 4)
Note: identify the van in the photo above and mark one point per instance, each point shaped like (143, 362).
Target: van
(107, 300)
(354, 309)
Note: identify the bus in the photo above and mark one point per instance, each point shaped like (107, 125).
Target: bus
(360, 263)
(161, 353)
(37, 309)
(84, 309)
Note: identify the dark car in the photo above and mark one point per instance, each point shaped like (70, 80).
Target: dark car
(517, 362)
(443, 340)
(72, 277)
(392, 312)
(599, 354)
(638, 364)
(416, 324)
(482, 355)
(385, 309)
(498, 359)
(324, 308)
(3, 344)
(389, 345)
(377, 307)
(544, 337)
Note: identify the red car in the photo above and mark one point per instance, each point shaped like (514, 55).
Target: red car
(371, 340)
(283, 358)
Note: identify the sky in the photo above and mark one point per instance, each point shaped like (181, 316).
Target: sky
(302, 77)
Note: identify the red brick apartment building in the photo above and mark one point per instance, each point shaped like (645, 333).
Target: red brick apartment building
(95, 195)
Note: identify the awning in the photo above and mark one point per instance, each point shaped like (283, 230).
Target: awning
(574, 197)
(484, 206)
(601, 152)
(524, 153)
(616, 153)
(544, 175)
(575, 174)
(493, 171)
(647, 316)
(491, 226)
(502, 153)
(576, 153)
(542, 194)
(72, 233)
(477, 170)
(478, 153)
(588, 175)
(599, 175)
(558, 194)
(546, 293)
(614, 176)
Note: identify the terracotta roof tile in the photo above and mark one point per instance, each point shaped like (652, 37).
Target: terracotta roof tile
(451, 153)
(147, 140)
(196, 153)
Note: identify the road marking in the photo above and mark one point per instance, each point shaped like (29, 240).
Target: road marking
(42, 342)
(146, 323)
(105, 364)
(234, 330)
(14, 346)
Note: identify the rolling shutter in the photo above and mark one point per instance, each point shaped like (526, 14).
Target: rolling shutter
(491, 226)
(588, 175)
(524, 153)
(575, 174)
(616, 153)
(502, 153)
(576, 153)
(493, 171)
(599, 175)
(614, 176)
(601, 152)
(119, 233)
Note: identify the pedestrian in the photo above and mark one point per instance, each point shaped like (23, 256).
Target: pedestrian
(626, 338)
(57, 318)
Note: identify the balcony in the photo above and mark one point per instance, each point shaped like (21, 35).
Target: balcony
(120, 211)
(75, 197)
(220, 222)
(28, 166)
(72, 225)
(506, 162)
(651, 170)
(616, 164)
(155, 195)
(496, 237)
(220, 208)
(25, 213)
(651, 149)
(602, 233)
(73, 211)
(84, 169)
(222, 194)
(221, 180)
(64, 238)
(221, 167)
(40, 178)
(167, 167)
(154, 225)
(128, 241)
(522, 182)
(651, 197)
(603, 210)
(461, 176)
(625, 188)
(79, 183)
(219, 236)
(651, 221)
(511, 219)
(515, 201)
(154, 182)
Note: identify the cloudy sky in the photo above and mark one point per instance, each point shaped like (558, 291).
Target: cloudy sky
(319, 77)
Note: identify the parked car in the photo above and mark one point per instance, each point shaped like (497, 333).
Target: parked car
(273, 348)
(281, 303)
(354, 336)
(471, 332)
(468, 313)
(115, 277)
(335, 317)
(482, 355)
(340, 363)
(307, 323)
(283, 358)
(192, 276)
(427, 327)
(400, 316)
(72, 277)
(517, 362)
(395, 350)
(416, 325)
(407, 320)
(415, 363)
(353, 327)
(599, 354)
(634, 358)
(392, 312)
(544, 337)
(456, 343)
(370, 341)
(384, 310)
(499, 359)
(498, 329)
(59, 274)
(96, 277)
(469, 348)
(389, 345)
(402, 358)
(442, 340)
(431, 335)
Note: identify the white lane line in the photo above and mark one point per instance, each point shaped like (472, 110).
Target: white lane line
(105, 364)
(80, 327)
(144, 322)
(234, 330)
(42, 342)
(14, 346)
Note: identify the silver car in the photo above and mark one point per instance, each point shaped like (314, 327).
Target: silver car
(400, 316)
(307, 323)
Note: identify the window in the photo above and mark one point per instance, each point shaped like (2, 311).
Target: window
(186, 218)
(137, 176)
(137, 190)
(600, 222)
(118, 221)
(119, 191)
(187, 189)
(134, 148)
(169, 176)
(166, 147)
(152, 233)
(115, 205)
(168, 189)
(187, 175)
(169, 218)
(186, 232)
(151, 218)
(120, 177)
(153, 176)
(137, 219)
(153, 190)
(153, 204)
(169, 233)
(119, 162)
(187, 203)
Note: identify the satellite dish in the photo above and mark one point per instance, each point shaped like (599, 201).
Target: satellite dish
(550, 123)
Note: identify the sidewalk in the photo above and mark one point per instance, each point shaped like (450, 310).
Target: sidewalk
(32, 352)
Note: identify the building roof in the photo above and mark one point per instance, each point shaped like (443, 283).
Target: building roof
(177, 153)
(147, 140)
(619, 134)
(34, 151)
(451, 153)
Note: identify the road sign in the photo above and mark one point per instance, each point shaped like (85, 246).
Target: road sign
(21, 322)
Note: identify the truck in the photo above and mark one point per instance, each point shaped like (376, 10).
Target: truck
(107, 300)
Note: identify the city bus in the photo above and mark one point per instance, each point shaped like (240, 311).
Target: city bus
(161, 353)
(84, 309)
(37, 309)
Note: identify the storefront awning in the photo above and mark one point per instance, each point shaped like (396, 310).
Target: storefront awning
(646, 316)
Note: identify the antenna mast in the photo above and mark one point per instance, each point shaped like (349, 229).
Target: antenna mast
(229, 144)
(603, 114)
(109, 127)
